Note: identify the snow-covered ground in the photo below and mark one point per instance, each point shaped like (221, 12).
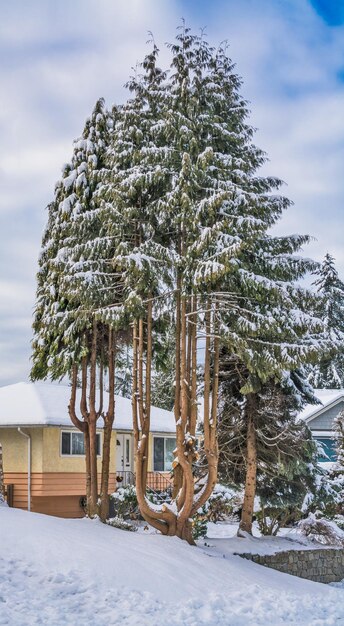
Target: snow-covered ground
(55, 572)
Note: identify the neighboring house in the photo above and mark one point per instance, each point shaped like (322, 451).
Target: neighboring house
(43, 454)
(320, 419)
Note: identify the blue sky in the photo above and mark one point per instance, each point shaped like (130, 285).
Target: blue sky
(58, 58)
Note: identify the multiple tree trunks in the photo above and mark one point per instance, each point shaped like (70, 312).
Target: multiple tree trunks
(173, 203)
(91, 410)
(175, 519)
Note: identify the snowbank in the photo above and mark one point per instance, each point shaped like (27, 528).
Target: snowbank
(56, 571)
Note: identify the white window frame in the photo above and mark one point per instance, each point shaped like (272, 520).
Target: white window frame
(76, 456)
(164, 437)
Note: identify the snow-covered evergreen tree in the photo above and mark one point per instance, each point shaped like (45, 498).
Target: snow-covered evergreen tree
(74, 279)
(286, 456)
(163, 378)
(171, 219)
(336, 473)
(328, 373)
(66, 273)
(198, 214)
(339, 437)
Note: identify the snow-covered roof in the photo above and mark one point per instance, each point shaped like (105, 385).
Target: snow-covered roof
(327, 397)
(46, 404)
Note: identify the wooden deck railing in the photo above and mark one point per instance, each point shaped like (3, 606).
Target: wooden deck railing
(155, 480)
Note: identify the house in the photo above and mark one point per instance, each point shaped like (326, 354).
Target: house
(43, 454)
(320, 419)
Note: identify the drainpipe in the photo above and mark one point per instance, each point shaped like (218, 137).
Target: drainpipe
(28, 437)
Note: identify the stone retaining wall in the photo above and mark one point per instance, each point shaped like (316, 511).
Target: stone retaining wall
(324, 565)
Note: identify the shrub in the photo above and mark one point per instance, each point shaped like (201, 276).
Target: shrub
(125, 503)
(199, 526)
(223, 503)
(119, 522)
(321, 531)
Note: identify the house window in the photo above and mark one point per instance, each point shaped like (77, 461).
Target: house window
(72, 443)
(163, 453)
(329, 449)
(127, 451)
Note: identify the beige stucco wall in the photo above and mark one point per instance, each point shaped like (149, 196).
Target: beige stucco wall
(46, 455)
(53, 461)
(45, 451)
(14, 447)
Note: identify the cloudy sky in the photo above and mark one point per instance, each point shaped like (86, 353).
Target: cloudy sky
(58, 58)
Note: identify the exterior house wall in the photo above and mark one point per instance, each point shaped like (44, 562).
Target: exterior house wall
(53, 461)
(325, 420)
(57, 482)
(14, 448)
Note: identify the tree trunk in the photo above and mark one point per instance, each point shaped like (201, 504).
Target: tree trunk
(251, 468)
(82, 425)
(210, 409)
(148, 390)
(92, 425)
(108, 423)
(87, 462)
(185, 532)
(185, 497)
(177, 470)
(92, 505)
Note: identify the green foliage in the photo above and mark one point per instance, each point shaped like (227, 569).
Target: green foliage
(163, 381)
(288, 477)
(328, 372)
(163, 198)
(223, 503)
(125, 503)
(199, 526)
(74, 275)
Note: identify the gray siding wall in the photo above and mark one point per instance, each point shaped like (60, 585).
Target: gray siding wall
(325, 420)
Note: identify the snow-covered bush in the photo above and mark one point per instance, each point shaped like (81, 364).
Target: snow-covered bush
(339, 520)
(271, 518)
(327, 496)
(125, 503)
(199, 526)
(222, 504)
(321, 531)
(122, 524)
(287, 498)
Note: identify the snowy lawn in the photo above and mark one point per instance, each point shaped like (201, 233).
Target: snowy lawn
(55, 571)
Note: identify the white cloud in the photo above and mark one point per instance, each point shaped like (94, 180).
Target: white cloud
(59, 57)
